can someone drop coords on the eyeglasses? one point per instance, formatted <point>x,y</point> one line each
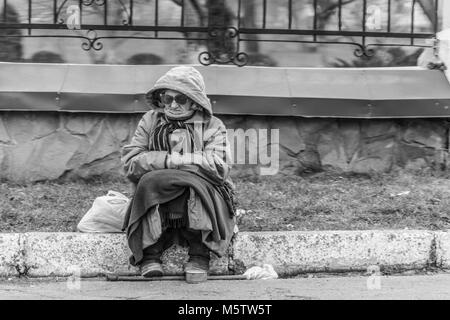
<point>179,98</point>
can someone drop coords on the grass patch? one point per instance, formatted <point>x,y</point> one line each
<point>346,202</point>
<point>324,201</point>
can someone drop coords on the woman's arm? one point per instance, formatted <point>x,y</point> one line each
<point>214,160</point>
<point>136,158</point>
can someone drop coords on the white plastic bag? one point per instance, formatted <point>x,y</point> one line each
<point>106,215</point>
<point>264,273</point>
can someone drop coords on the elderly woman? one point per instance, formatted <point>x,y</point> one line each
<point>177,161</point>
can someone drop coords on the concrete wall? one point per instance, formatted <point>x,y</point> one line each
<point>49,145</point>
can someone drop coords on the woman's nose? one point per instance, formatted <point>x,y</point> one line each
<point>174,104</point>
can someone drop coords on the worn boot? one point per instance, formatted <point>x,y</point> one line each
<point>151,265</point>
<point>197,267</point>
<point>151,269</point>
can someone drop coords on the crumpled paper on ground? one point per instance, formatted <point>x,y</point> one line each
<point>261,273</point>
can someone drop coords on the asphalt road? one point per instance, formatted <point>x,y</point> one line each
<point>435,286</point>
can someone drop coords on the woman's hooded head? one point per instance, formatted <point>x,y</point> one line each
<point>184,79</point>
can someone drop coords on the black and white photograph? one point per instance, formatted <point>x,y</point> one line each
<point>217,157</point>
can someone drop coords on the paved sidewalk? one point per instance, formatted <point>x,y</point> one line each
<point>350,287</point>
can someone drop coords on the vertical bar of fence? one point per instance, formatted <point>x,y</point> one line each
<point>182,13</point>
<point>80,4</point>
<point>290,14</point>
<point>238,36</point>
<point>436,16</point>
<point>364,22</point>
<point>436,27</point>
<point>29,16</point>
<point>364,15</point>
<point>315,20</point>
<point>105,14</point>
<point>55,13</point>
<point>131,13</point>
<point>264,13</point>
<point>5,8</point>
<point>239,14</point>
<point>340,15</point>
<point>412,20</point>
<point>156,16</point>
<point>389,15</point>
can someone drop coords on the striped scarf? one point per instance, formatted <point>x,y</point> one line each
<point>161,134</point>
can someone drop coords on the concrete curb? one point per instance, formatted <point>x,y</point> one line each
<point>322,251</point>
<point>11,258</point>
<point>443,249</point>
<point>40,254</point>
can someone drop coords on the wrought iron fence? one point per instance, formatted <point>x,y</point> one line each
<point>224,25</point>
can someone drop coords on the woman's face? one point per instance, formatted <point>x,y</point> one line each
<point>176,104</point>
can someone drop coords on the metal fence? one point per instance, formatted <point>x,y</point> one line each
<point>224,25</point>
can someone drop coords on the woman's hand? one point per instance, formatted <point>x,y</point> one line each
<point>175,160</point>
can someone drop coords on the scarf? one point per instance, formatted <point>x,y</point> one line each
<point>161,134</point>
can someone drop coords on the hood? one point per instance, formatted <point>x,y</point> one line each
<point>184,79</point>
